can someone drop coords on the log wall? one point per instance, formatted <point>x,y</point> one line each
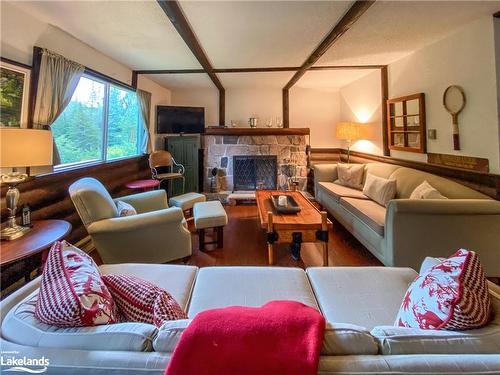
<point>48,194</point>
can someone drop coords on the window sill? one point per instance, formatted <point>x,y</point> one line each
<point>81,166</point>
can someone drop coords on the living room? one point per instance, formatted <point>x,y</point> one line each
<point>256,165</point>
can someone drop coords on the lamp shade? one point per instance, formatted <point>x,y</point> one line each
<point>351,131</point>
<point>20,147</point>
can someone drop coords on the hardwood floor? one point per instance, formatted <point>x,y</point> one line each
<point>245,244</point>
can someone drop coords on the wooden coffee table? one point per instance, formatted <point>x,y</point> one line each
<point>308,225</point>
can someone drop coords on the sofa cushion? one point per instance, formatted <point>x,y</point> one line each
<point>371,213</point>
<point>451,295</point>
<point>364,296</point>
<point>21,327</point>
<point>248,286</point>
<point>139,300</point>
<point>379,189</point>
<point>408,179</point>
<point>177,279</point>
<point>426,191</point>
<point>337,191</point>
<point>339,338</point>
<point>72,292</point>
<point>350,175</point>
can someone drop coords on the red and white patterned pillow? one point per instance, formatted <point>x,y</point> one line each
<point>141,301</point>
<point>72,293</point>
<point>452,295</point>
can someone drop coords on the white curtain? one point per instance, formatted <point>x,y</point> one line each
<point>57,82</point>
<point>144,99</point>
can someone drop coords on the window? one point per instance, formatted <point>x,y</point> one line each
<point>101,122</point>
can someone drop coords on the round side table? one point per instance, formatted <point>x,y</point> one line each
<point>21,256</point>
<point>144,185</point>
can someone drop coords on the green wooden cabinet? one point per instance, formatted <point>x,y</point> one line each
<point>184,149</point>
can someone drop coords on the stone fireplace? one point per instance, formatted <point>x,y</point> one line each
<point>225,151</point>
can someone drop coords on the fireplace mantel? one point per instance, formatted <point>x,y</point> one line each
<point>257,131</point>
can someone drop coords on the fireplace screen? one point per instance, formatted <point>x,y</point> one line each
<point>252,172</point>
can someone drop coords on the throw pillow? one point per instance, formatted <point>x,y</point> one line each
<point>72,293</point>
<point>141,301</point>
<point>125,209</point>
<point>379,189</point>
<point>426,191</point>
<point>452,295</point>
<point>350,175</point>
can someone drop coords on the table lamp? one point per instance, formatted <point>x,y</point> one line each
<point>20,147</point>
<point>350,131</point>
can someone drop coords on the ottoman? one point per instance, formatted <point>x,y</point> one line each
<point>186,201</point>
<point>209,215</point>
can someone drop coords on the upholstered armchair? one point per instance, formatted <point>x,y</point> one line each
<point>157,234</point>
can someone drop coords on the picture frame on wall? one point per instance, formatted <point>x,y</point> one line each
<point>15,81</point>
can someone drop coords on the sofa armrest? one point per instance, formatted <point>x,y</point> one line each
<point>147,201</point>
<point>415,229</point>
<point>324,173</point>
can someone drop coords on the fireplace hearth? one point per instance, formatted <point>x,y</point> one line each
<point>251,172</point>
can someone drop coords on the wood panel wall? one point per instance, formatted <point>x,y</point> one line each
<point>486,183</point>
<point>48,194</point>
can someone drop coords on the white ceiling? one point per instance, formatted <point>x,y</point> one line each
<point>256,34</point>
<point>390,30</point>
<point>237,34</point>
<point>261,80</point>
<point>136,33</point>
<point>330,79</point>
<point>182,81</point>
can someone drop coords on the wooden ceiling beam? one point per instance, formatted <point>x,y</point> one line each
<point>352,15</point>
<point>256,70</point>
<point>173,11</point>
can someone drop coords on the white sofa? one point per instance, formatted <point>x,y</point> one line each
<point>407,230</point>
<point>354,301</point>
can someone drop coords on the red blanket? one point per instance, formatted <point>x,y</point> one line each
<point>281,337</point>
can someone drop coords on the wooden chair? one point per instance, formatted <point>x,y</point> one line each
<point>164,159</point>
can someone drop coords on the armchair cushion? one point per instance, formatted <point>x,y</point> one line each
<point>92,200</point>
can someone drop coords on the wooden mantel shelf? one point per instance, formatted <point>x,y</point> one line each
<point>257,131</point>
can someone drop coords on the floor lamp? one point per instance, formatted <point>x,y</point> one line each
<point>350,132</point>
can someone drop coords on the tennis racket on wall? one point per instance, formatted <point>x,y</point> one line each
<point>454,102</point>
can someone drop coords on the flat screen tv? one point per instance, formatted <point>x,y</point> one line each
<point>175,120</point>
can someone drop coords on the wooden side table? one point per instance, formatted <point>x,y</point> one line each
<point>21,256</point>
<point>144,185</point>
